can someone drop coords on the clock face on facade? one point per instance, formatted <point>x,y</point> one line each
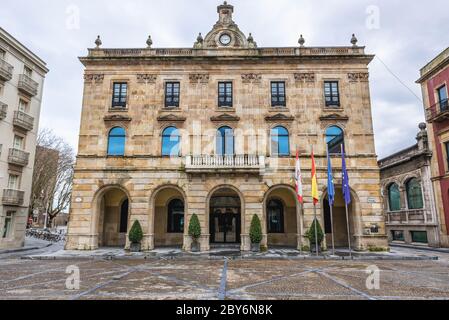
<point>225,39</point>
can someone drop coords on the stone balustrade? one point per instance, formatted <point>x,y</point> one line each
<point>419,216</point>
<point>226,162</point>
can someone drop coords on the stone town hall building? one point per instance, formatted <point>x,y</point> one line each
<point>212,130</point>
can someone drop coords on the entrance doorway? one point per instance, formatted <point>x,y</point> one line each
<point>225,218</point>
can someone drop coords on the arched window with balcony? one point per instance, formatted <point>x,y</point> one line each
<point>280,141</point>
<point>335,139</point>
<point>414,194</point>
<point>394,197</point>
<point>171,141</point>
<point>116,142</point>
<point>225,141</point>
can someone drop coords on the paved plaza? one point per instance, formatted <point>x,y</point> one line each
<point>223,278</point>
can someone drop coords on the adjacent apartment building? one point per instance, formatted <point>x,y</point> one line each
<point>409,201</point>
<point>434,81</point>
<point>213,130</point>
<point>22,76</point>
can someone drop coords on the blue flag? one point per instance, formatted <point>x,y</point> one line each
<point>346,189</point>
<point>330,182</point>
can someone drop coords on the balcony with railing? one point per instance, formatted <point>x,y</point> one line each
<point>438,112</point>
<point>18,157</point>
<point>419,216</point>
<point>23,120</point>
<point>28,85</point>
<point>13,197</point>
<point>5,70</point>
<point>216,163</point>
<point>3,110</point>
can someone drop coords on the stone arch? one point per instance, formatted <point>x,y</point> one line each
<point>109,193</point>
<point>294,237</point>
<point>159,201</point>
<point>242,207</point>
<point>339,218</point>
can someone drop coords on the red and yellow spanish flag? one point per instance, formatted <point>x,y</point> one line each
<point>315,195</point>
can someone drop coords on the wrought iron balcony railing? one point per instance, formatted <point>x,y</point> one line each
<point>13,197</point>
<point>438,112</point>
<point>5,70</point>
<point>18,157</point>
<point>3,110</point>
<point>28,85</point>
<point>23,120</point>
<point>228,162</point>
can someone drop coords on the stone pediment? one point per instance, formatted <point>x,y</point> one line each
<point>171,118</point>
<point>117,117</point>
<point>280,117</point>
<point>225,118</point>
<point>334,117</point>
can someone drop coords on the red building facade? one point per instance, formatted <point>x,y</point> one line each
<point>435,82</point>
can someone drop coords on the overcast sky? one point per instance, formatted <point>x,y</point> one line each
<point>405,35</point>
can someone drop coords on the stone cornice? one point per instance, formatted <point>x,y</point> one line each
<point>139,56</point>
<point>334,117</point>
<point>117,117</point>
<point>171,118</point>
<point>279,117</point>
<point>225,118</point>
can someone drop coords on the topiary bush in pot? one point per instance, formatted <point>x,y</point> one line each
<point>255,234</point>
<point>311,236</point>
<point>136,236</point>
<point>195,232</point>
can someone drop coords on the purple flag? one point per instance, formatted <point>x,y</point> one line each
<point>346,189</point>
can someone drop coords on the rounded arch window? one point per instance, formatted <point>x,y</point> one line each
<point>280,141</point>
<point>116,142</point>
<point>394,197</point>
<point>225,141</point>
<point>414,194</point>
<point>335,139</point>
<point>171,140</point>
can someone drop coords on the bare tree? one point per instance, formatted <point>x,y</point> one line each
<point>53,174</point>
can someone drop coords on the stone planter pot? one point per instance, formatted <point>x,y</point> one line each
<point>313,248</point>
<point>195,246</point>
<point>135,247</point>
<point>255,247</point>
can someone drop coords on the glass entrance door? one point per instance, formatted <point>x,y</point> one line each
<point>225,225</point>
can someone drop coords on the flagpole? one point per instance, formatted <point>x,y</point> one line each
<point>315,217</point>
<point>331,208</point>
<point>298,219</point>
<point>347,216</point>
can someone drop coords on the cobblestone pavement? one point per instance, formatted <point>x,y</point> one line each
<point>222,279</point>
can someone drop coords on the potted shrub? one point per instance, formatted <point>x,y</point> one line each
<point>311,236</point>
<point>135,236</point>
<point>255,234</point>
<point>195,232</point>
